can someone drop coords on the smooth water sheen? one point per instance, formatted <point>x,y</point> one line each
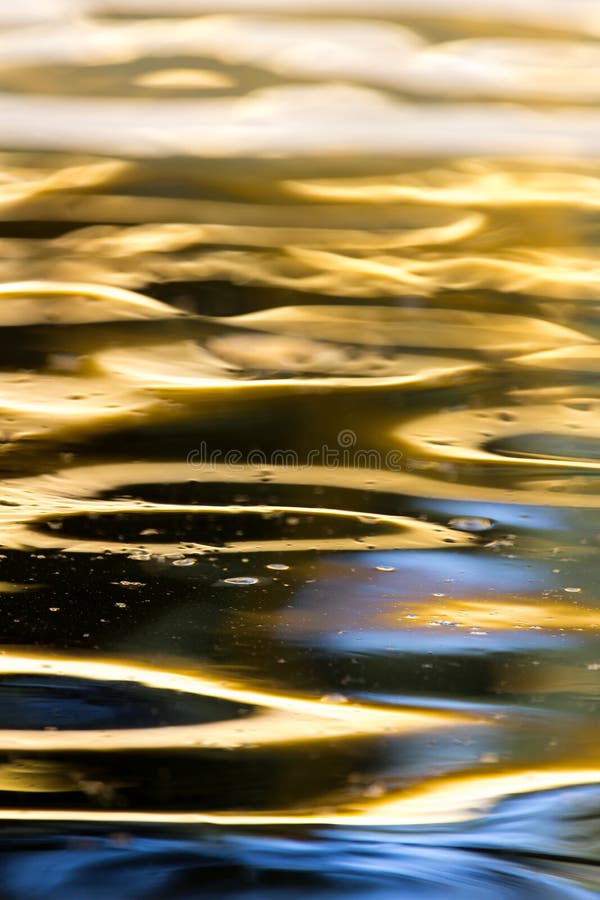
<point>299,449</point>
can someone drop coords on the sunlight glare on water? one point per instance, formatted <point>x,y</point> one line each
<point>299,429</point>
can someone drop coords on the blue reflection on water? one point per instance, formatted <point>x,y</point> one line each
<point>448,640</point>
<point>351,592</point>
<point>541,846</point>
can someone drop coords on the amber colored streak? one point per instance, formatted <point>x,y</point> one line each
<point>173,237</point>
<point>186,372</point>
<point>442,329</point>
<point>471,183</point>
<point>565,359</point>
<point>279,719</point>
<point>550,273</point>
<point>495,615</point>
<point>188,79</point>
<point>36,776</point>
<point>545,273</point>
<point>10,587</point>
<point>175,212</point>
<point>42,495</point>
<point>19,183</point>
<point>467,797</point>
<point>139,385</point>
<point>464,435</point>
<point>402,531</point>
<point>487,615</point>
<point>132,257</point>
<point>37,407</point>
<point>441,801</point>
<point>33,302</point>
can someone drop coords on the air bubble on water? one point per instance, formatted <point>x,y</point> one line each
<point>470,523</point>
<point>184,562</point>
<point>279,567</point>
<point>241,580</point>
<point>572,590</point>
<point>385,568</point>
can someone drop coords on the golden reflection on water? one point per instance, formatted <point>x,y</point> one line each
<point>299,358</point>
<point>277,719</point>
<point>453,801</point>
<point>475,615</point>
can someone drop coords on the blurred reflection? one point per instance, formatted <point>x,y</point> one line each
<point>299,449</point>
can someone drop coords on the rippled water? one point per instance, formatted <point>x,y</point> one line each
<point>299,428</point>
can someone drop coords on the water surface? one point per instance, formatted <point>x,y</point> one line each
<point>299,423</point>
